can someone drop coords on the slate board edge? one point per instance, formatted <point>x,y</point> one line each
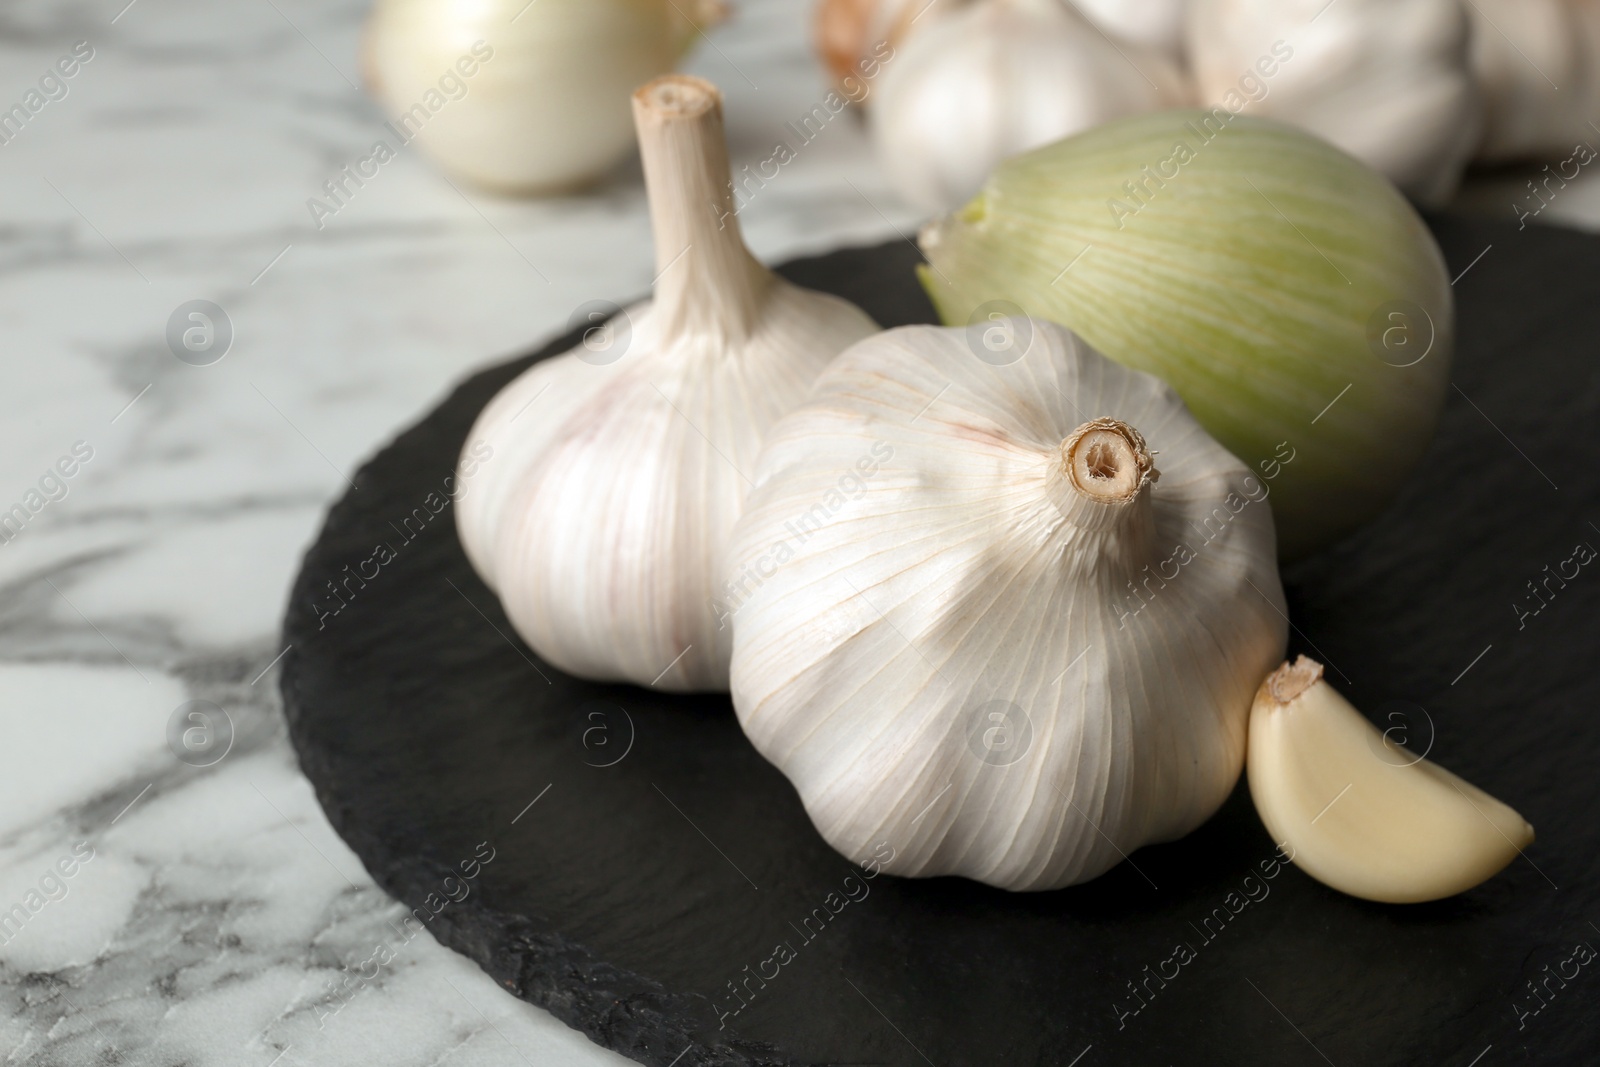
<point>617,1009</point>
<point>614,1007</point>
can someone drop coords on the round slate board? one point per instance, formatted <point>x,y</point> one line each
<point>626,860</point>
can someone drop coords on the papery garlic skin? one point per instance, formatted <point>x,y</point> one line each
<point>1000,77</point>
<point>1360,813</point>
<point>617,470</point>
<point>849,33</point>
<point>1538,63</point>
<point>545,108</point>
<point>1155,24</point>
<point>1386,80</point>
<point>918,582</point>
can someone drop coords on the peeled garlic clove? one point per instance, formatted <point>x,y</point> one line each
<point>599,487</point>
<point>1522,51</point>
<point>1385,80</point>
<point>1357,811</point>
<point>971,620</point>
<point>997,78</point>
<point>522,97</point>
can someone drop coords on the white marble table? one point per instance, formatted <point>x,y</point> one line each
<point>211,916</point>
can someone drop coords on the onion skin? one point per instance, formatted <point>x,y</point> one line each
<point>1251,281</point>
<point>549,112</point>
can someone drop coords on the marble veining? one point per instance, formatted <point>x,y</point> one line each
<point>210,915</point>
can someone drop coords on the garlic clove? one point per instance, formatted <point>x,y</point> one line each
<point>604,482</point>
<point>1357,811</point>
<point>523,98</point>
<point>1386,80</point>
<point>997,78</point>
<point>971,620</point>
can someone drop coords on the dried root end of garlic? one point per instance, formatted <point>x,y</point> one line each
<point>1358,812</point>
<point>973,623</point>
<point>1108,460</point>
<point>615,474</point>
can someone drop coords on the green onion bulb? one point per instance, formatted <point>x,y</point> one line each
<point>1289,294</point>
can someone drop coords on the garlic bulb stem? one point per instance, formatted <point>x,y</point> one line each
<point>686,171</point>
<point>1107,460</point>
<point>1104,471</point>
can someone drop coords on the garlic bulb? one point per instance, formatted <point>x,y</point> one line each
<point>1358,812</point>
<point>1293,298</point>
<point>518,96</point>
<point>615,472</point>
<point>1538,63</point>
<point>850,33</point>
<point>1385,80</point>
<point>1155,24</point>
<point>998,78</point>
<point>973,621</point>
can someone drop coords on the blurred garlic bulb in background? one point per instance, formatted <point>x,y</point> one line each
<point>972,621</point>
<point>1385,80</point>
<point>848,32</point>
<point>997,78</point>
<point>604,482</point>
<point>523,97</point>
<point>1538,64</point>
<point>1155,24</point>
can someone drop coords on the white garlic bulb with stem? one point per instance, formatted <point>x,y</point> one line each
<point>1256,299</point>
<point>523,97</point>
<point>997,78</point>
<point>614,472</point>
<point>1386,80</point>
<point>1538,64</point>
<point>972,621</point>
<point>1360,813</point>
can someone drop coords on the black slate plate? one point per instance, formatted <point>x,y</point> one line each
<point>631,898</point>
